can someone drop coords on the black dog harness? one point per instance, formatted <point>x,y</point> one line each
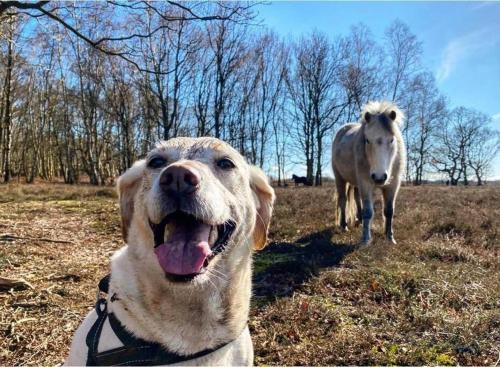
<point>135,351</point>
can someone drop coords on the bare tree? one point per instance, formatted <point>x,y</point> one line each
<point>403,52</point>
<point>170,54</point>
<point>454,142</point>
<point>281,134</point>
<point>428,112</point>
<point>317,96</point>
<point>202,91</point>
<point>123,111</point>
<point>89,69</point>
<point>361,76</point>
<point>6,103</point>
<point>272,71</point>
<point>483,150</point>
<point>225,40</point>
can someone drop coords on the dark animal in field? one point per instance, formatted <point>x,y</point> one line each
<point>301,180</point>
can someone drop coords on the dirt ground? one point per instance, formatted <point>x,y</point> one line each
<point>434,298</point>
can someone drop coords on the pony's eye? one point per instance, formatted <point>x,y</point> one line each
<point>225,164</point>
<point>367,141</point>
<point>392,141</point>
<point>157,162</point>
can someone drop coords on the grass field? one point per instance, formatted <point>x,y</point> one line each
<point>432,299</point>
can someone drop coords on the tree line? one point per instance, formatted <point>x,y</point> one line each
<point>88,88</point>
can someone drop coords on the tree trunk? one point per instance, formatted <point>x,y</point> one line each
<point>319,142</point>
<point>7,113</point>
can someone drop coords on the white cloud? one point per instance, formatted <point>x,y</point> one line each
<point>483,4</point>
<point>464,47</point>
<point>496,117</point>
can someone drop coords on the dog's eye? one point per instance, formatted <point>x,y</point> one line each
<point>367,141</point>
<point>157,162</point>
<point>225,164</point>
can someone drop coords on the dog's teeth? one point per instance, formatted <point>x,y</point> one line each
<point>213,235</point>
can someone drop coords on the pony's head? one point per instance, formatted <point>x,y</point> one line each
<point>381,122</point>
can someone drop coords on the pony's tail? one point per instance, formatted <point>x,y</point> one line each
<point>350,208</point>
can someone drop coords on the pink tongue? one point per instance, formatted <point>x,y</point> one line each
<point>185,250</point>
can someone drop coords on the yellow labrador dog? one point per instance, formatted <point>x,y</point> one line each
<point>179,292</point>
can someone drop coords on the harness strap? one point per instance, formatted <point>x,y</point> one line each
<point>92,339</point>
<point>104,283</point>
<point>135,351</point>
<point>125,337</point>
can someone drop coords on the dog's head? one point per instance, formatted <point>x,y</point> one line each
<point>192,205</point>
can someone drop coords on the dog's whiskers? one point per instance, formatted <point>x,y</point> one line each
<point>213,284</point>
<point>215,278</point>
<point>220,274</point>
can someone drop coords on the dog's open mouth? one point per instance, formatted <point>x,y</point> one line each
<point>190,244</point>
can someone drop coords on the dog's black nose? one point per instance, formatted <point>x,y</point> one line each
<point>178,179</point>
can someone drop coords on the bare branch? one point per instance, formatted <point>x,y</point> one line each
<point>99,44</point>
<point>5,5</point>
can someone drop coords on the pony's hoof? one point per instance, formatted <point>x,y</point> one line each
<point>344,229</point>
<point>364,243</point>
<point>391,241</point>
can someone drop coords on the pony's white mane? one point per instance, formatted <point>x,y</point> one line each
<point>378,107</point>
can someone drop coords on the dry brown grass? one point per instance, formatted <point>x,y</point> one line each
<point>432,299</point>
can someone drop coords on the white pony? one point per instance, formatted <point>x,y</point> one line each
<point>367,155</point>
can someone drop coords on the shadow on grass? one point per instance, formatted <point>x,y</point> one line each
<point>283,267</point>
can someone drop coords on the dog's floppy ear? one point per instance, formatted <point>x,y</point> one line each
<point>264,196</point>
<point>127,186</point>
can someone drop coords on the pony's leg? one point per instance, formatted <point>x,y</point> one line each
<point>389,195</point>
<point>359,208</point>
<point>367,215</point>
<point>342,201</point>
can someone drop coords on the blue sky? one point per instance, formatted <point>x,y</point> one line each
<point>461,40</point>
